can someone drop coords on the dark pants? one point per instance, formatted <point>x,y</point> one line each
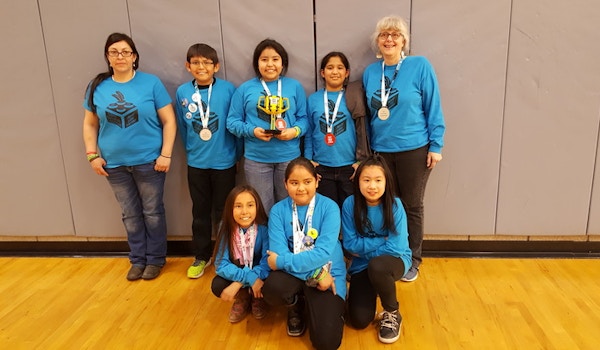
<point>325,310</point>
<point>218,285</point>
<point>410,179</point>
<point>335,182</point>
<point>209,189</point>
<point>379,278</point>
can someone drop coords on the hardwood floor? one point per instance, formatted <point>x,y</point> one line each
<point>457,303</point>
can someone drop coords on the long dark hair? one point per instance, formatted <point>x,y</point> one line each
<point>113,38</point>
<point>228,224</point>
<point>270,43</point>
<point>361,219</point>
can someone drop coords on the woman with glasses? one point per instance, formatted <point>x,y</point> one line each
<point>128,129</point>
<point>406,123</point>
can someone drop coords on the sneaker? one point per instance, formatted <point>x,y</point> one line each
<point>295,320</point>
<point>196,270</point>
<point>135,272</point>
<point>389,327</point>
<point>411,275</point>
<point>240,306</point>
<point>259,308</point>
<point>151,272</point>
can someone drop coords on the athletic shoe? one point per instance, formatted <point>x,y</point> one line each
<point>196,270</point>
<point>240,306</point>
<point>411,275</point>
<point>389,327</point>
<point>295,321</point>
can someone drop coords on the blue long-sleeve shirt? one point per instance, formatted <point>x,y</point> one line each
<point>245,275</point>
<point>223,149</point>
<point>416,117</point>
<point>343,151</point>
<point>244,116</point>
<point>327,247</point>
<point>377,241</point>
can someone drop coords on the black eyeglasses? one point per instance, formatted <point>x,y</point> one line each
<point>115,53</point>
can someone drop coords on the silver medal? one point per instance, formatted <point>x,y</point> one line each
<point>205,134</point>
<point>383,113</point>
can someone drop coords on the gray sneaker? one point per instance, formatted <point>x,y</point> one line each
<point>411,275</point>
<point>389,327</point>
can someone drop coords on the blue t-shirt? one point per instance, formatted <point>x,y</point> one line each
<point>343,150</point>
<point>327,246</point>
<point>377,240</point>
<point>223,149</point>
<point>416,117</point>
<point>244,115</point>
<point>130,129</point>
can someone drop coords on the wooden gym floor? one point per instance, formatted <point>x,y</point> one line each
<point>457,303</point>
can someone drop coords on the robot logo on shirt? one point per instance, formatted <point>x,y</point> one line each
<point>122,113</point>
<point>213,121</point>
<point>339,125</point>
<point>392,98</point>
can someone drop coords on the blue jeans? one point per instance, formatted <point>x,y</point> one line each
<point>139,191</point>
<point>268,179</point>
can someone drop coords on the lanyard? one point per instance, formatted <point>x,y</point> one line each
<point>269,91</point>
<point>247,242</point>
<point>335,109</point>
<point>298,230</point>
<point>385,93</point>
<point>204,115</point>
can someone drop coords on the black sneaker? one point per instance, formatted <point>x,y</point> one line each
<point>295,320</point>
<point>389,327</point>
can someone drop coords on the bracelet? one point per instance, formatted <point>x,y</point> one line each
<point>91,152</point>
<point>298,131</point>
<point>321,275</point>
<point>162,155</point>
<point>91,157</point>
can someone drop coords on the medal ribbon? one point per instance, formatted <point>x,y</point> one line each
<point>335,109</point>
<point>299,231</point>
<point>246,243</point>
<point>203,115</point>
<point>385,93</point>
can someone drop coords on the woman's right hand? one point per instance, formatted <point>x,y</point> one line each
<point>98,165</point>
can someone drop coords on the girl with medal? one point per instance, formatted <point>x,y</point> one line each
<point>407,124</point>
<point>374,232</point>
<point>241,254</point>
<point>211,150</point>
<point>306,257</point>
<point>269,113</point>
<point>331,139</point>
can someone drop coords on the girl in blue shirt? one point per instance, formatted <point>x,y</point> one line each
<point>306,257</point>
<point>269,113</point>
<point>374,232</point>
<point>241,254</point>
<point>331,140</point>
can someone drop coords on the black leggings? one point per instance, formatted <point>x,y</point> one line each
<point>325,310</point>
<point>379,278</point>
